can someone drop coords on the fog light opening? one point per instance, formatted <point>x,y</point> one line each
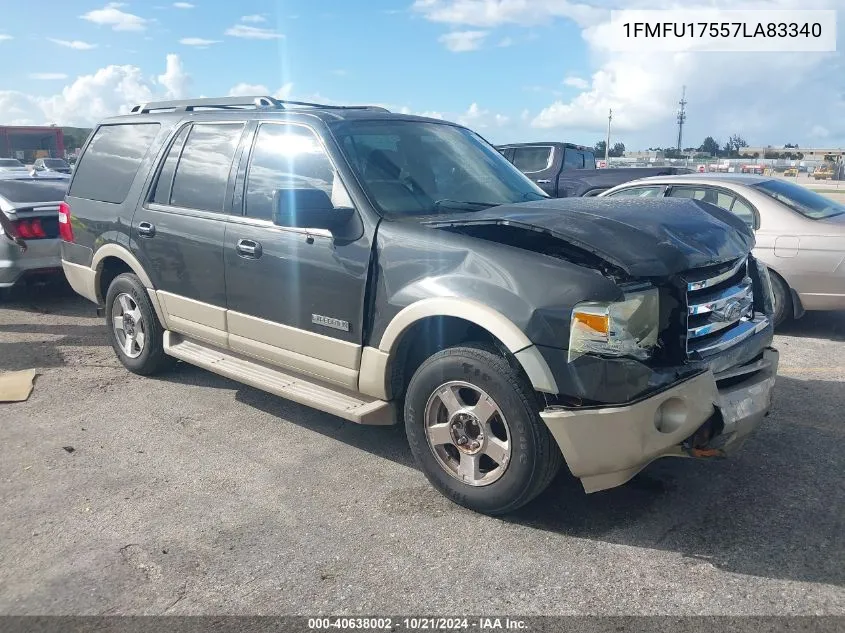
<point>671,415</point>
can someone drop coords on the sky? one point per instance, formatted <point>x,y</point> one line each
<point>514,70</point>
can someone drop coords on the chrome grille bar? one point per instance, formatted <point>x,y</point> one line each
<point>701,284</point>
<point>722,298</point>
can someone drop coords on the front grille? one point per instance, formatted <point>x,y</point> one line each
<point>720,308</point>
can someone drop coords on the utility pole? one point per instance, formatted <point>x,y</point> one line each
<point>607,142</point>
<point>682,117</point>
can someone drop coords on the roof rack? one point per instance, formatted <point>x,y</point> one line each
<point>238,103</point>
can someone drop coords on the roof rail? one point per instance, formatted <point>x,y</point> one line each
<point>221,103</point>
<point>238,103</point>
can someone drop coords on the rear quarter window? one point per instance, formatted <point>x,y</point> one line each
<point>108,167</point>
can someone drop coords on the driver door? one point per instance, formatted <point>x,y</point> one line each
<point>295,296</point>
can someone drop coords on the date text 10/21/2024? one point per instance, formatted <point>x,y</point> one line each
<point>418,624</point>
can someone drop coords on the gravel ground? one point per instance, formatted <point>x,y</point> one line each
<point>192,494</point>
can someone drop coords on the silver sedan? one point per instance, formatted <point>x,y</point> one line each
<point>800,234</point>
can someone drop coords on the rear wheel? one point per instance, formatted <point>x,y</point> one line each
<point>782,300</point>
<point>135,332</point>
<point>473,425</point>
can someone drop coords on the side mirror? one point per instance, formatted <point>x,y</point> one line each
<point>307,209</point>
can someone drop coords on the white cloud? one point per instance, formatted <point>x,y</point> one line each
<point>199,42</point>
<point>576,82</point>
<point>4,37</point>
<point>505,42</point>
<point>462,41</point>
<point>111,15</point>
<point>253,32</point>
<point>248,90</point>
<point>340,72</point>
<point>90,98</point>
<point>183,5</point>
<point>47,76</point>
<point>492,13</point>
<point>727,92</point>
<point>478,118</point>
<point>253,19</point>
<point>77,45</point>
<point>175,80</point>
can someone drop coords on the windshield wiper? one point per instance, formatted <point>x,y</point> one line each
<point>462,205</point>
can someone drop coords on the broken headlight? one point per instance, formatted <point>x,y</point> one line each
<point>620,328</point>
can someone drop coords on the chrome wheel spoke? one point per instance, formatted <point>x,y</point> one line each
<point>129,345</point>
<point>449,398</point>
<point>125,304</point>
<point>118,323</point>
<point>139,339</point>
<point>468,468</point>
<point>497,450</point>
<point>484,409</point>
<point>440,434</point>
<point>136,315</point>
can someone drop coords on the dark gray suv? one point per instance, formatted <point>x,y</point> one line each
<point>389,268</point>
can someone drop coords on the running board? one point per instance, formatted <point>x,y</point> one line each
<point>304,390</point>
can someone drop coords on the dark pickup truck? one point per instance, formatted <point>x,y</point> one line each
<point>564,170</point>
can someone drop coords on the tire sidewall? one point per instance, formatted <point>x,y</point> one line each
<point>129,284</point>
<point>518,476</point>
<point>782,300</point>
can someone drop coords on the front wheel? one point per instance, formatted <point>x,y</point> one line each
<point>473,425</point>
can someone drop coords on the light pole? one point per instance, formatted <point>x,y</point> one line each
<point>607,141</point>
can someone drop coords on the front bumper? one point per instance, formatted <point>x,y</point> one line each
<point>41,255</point>
<point>607,446</point>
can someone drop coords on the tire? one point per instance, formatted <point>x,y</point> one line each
<point>145,356</point>
<point>783,300</point>
<point>533,456</point>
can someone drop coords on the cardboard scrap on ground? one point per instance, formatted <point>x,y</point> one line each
<point>15,386</point>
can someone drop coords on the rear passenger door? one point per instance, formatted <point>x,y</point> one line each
<point>178,232</point>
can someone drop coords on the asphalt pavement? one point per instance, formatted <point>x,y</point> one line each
<point>192,494</point>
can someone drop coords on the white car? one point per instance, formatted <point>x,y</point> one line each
<point>800,234</point>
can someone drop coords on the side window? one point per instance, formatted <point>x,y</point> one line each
<point>705,194</point>
<point>573,159</point>
<point>288,157</point>
<point>532,159</point>
<point>161,195</point>
<point>637,192</point>
<point>107,169</point>
<point>203,170</point>
<point>744,212</point>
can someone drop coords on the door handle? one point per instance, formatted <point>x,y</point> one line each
<point>544,181</point>
<point>249,249</point>
<point>145,229</point>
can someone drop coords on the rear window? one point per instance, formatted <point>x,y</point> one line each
<point>108,167</point>
<point>800,199</point>
<point>531,159</point>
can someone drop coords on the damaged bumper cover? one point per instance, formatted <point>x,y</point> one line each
<point>706,415</point>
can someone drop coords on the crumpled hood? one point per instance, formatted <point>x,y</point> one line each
<point>644,237</point>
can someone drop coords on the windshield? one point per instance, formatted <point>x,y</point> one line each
<point>806,202</point>
<point>55,162</point>
<point>419,168</point>
<point>10,162</point>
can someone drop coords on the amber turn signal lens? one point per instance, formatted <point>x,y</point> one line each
<point>598,322</point>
